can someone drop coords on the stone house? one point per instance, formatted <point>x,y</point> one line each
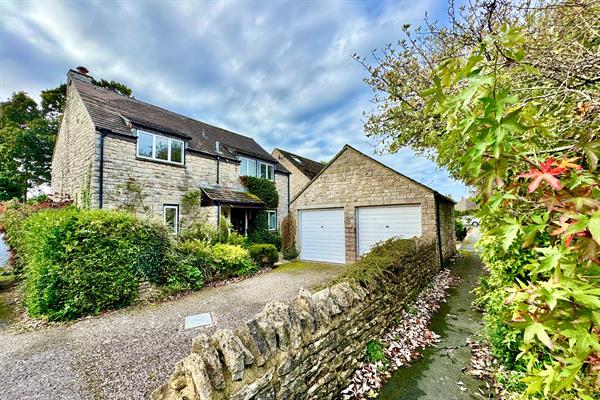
<point>302,169</point>
<point>113,151</point>
<point>355,202</point>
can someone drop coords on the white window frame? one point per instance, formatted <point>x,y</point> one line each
<point>270,167</point>
<point>245,173</point>
<point>269,212</point>
<point>176,208</point>
<point>170,141</point>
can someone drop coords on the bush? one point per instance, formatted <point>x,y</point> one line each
<point>200,230</point>
<point>290,253</point>
<point>460,229</point>
<point>81,262</point>
<point>259,233</point>
<point>288,237</point>
<point>263,254</point>
<point>230,260</point>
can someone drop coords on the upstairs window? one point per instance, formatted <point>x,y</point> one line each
<point>247,167</point>
<point>150,145</point>
<point>252,167</point>
<point>267,171</point>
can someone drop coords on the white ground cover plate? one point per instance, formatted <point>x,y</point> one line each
<point>198,320</point>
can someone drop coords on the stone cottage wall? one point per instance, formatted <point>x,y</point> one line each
<point>305,349</point>
<point>354,180</point>
<point>297,179</point>
<point>281,184</point>
<point>73,171</point>
<point>447,229</point>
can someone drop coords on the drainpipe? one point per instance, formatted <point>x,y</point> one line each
<point>288,193</point>
<point>103,132</point>
<point>439,230</point>
<point>218,158</point>
<point>218,213</point>
<point>218,150</point>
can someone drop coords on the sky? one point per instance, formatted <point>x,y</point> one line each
<point>279,72</point>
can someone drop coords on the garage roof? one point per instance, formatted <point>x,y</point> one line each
<point>348,147</point>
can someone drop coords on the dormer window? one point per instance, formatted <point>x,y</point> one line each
<point>252,167</point>
<point>157,147</point>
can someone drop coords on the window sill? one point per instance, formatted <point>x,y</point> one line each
<point>163,162</point>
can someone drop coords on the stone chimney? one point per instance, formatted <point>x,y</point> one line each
<point>80,73</point>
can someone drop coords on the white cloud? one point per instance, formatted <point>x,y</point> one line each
<point>280,72</point>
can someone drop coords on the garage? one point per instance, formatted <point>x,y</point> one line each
<point>322,235</point>
<point>376,224</point>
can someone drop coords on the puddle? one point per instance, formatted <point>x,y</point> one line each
<point>439,374</point>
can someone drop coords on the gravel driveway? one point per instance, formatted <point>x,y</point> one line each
<point>128,353</point>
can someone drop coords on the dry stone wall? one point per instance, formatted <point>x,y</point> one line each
<point>304,349</point>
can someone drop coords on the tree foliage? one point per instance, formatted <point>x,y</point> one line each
<point>516,86</point>
<point>27,135</point>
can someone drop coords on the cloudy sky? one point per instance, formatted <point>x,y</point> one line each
<point>280,72</point>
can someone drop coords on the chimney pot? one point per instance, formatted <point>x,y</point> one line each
<point>218,147</point>
<point>82,70</point>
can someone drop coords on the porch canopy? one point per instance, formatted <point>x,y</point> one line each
<point>235,198</point>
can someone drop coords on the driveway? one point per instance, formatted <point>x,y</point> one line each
<point>128,353</point>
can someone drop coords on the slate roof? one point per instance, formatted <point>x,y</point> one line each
<point>308,167</point>
<point>231,196</point>
<point>112,111</point>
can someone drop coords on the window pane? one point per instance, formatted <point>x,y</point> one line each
<point>171,218</point>
<point>263,171</point>
<point>243,167</point>
<point>270,172</point>
<point>272,220</point>
<point>176,151</point>
<point>251,168</point>
<point>144,145</point>
<point>162,148</point>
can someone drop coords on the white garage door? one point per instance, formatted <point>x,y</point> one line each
<point>322,235</point>
<point>376,224</point>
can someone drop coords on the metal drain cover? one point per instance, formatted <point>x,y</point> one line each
<point>198,320</point>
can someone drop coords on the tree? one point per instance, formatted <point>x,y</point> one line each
<point>516,88</point>
<point>27,136</point>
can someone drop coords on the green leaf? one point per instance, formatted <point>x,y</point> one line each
<point>536,329</point>
<point>594,226</point>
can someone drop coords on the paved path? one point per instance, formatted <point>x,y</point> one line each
<point>436,375</point>
<point>128,353</point>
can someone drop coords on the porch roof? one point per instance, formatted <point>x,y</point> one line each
<point>226,195</point>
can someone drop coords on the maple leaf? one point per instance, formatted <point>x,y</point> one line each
<point>569,163</point>
<point>545,173</point>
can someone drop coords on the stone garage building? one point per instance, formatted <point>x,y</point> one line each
<point>356,201</point>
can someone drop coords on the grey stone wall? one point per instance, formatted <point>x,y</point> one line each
<point>305,349</point>
<point>354,180</point>
<point>73,171</point>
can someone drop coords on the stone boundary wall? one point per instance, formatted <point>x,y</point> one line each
<point>305,349</point>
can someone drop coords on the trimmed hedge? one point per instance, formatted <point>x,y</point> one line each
<point>263,254</point>
<point>81,262</point>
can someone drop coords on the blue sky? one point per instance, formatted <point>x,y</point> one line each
<point>280,72</point>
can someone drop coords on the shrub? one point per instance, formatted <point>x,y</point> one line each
<point>200,230</point>
<point>230,260</point>
<point>376,353</point>
<point>259,233</point>
<point>236,239</point>
<point>84,262</point>
<point>288,237</point>
<point>263,254</point>
<point>290,253</point>
<point>460,229</point>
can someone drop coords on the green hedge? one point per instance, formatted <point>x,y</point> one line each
<point>81,262</point>
<point>460,230</point>
<point>263,254</point>
<point>264,189</point>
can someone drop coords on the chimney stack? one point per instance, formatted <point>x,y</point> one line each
<point>83,70</point>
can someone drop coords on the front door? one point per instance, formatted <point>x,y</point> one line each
<point>238,220</point>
